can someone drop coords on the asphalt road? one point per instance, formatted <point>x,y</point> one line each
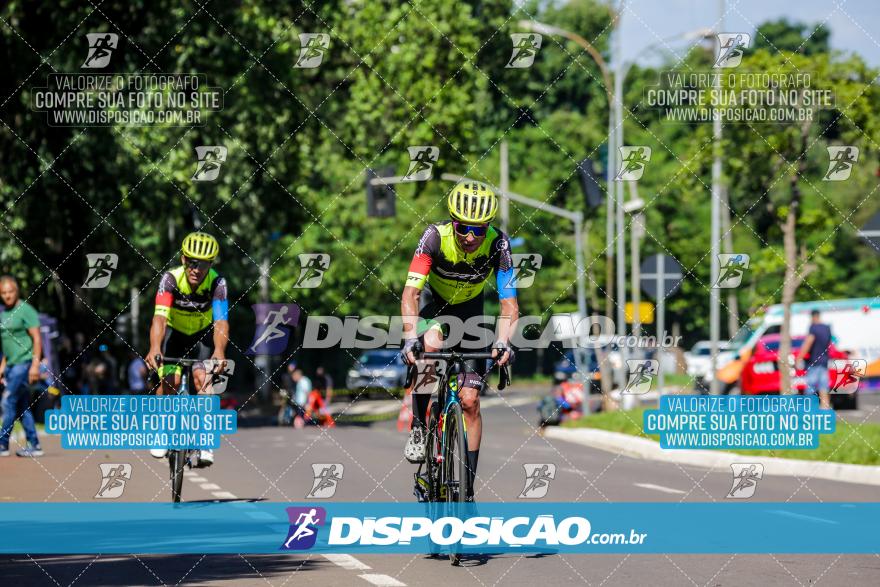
<point>269,463</point>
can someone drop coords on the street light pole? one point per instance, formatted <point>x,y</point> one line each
<point>618,190</point>
<point>611,170</point>
<point>504,181</point>
<point>714,292</point>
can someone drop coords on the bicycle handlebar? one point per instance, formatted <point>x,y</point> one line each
<point>504,372</point>
<point>182,362</point>
<point>454,355</point>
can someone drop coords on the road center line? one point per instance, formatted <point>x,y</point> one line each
<point>346,561</point>
<point>659,488</point>
<point>382,580</point>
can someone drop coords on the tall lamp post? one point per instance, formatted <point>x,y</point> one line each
<point>546,29</point>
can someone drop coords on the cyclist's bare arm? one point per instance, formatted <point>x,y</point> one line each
<point>507,322</point>
<point>221,339</point>
<point>409,312</point>
<point>157,335</point>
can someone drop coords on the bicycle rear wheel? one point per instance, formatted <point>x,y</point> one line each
<point>455,464</point>
<point>176,460</point>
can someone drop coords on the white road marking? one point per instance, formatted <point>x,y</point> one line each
<point>224,495</point>
<point>209,486</point>
<point>347,562</point>
<point>197,479</point>
<point>659,488</point>
<point>802,517</point>
<point>573,470</point>
<point>382,580</point>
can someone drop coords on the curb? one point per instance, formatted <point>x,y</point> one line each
<point>644,448</point>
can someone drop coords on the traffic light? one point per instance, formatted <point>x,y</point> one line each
<point>593,195</point>
<point>381,197</point>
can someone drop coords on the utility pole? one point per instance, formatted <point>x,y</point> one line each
<point>134,316</point>
<point>714,292</point>
<point>618,185</point>
<point>262,361</point>
<point>727,242</point>
<point>505,181</point>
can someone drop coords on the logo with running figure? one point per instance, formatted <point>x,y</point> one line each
<point>304,524</point>
<point>101,267</point>
<point>327,478</point>
<point>421,162</point>
<point>840,162</point>
<point>113,478</point>
<point>745,479</point>
<point>101,47</point>
<point>311,53</point>
<point>525,267</point>
<point>312,267</point>
<point>538,478</point>
<point>525,48</point>
<point>274,324</point>
<point>429,374</point>
<point>218,373</point>
<point>641,375</point>
<point>732,267</point>
<point>730,49</point>
<point>847,375</point>
<point>210,159</point>
<point>632,162</point>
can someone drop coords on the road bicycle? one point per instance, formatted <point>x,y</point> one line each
<point>178,459</point>
<point>446,476</point>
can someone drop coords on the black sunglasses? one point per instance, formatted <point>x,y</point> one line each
<point>465,229</point>
<point>196,263</point>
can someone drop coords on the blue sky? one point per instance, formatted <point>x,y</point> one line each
<point>853,23</point>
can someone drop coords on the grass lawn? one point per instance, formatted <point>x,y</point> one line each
<point>857,444</point>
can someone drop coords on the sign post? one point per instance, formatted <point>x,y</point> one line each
<point>661,277</point>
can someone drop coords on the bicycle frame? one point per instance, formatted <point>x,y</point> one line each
<point>178,459</point>
<point>447,396</point>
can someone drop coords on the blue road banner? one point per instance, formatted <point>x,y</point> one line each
<point>346,527</point>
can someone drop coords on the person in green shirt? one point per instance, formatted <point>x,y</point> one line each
<point>20,366</point>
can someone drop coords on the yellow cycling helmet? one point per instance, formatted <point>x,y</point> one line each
<point>472,202</point>
<point>201,246</point>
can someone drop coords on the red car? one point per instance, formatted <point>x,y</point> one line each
<point>761,372</point>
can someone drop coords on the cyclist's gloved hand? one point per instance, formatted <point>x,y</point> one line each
<point>412,347</point>
<point>502,353</point>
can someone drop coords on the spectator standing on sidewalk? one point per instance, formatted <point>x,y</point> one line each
<point>816,346</point>
<point>324,384</point>
<point>20,366</point>
<point>137,374</point>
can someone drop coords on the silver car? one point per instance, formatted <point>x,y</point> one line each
<point>377,369</point>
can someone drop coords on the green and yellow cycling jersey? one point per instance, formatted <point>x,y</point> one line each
<point>188,311</point>
<point>457,276</point>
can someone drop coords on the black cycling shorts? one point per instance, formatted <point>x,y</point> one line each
<point>186,346</point>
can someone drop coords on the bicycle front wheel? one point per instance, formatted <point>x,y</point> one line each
<point>176,461</point>
<point>455,464</point>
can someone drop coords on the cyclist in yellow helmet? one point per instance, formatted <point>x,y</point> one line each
<point>450,268</point>
<point>191,319</point>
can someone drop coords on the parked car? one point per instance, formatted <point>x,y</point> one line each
<point>377,370</point>
<point>760,375</point>
<point>699,361</point>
